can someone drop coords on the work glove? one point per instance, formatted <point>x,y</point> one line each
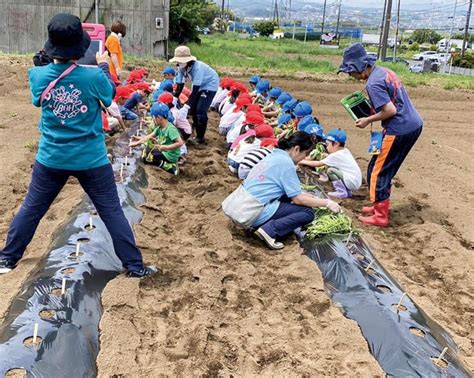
<point>333,206</point>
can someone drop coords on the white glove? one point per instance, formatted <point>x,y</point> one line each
<point>333,206</point>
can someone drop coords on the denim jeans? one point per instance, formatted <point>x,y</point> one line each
<point>287,218</point>
<point>99,184</point>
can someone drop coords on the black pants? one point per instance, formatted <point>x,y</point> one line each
<point>383,167</point>
<point>199,111</point>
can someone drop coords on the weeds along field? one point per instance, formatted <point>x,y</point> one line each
<point>287,58</point>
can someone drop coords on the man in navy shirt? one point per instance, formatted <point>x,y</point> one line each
<point>401,123</point>
<point>205,85</point>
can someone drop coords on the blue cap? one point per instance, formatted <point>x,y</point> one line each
<point>284,119</point>
<point>263,86</point>
<point>290,105</point>
<point>160,110</point>
<point>284,97</point>
<point>275,92</point>
<point>303,109</point>
<point>254,79</point>
<point>356,59</point>
<point>166,85</point>
<point>336,135</point>
<point>305,121</point>
<point>314,129</point>
<point>169,70</point>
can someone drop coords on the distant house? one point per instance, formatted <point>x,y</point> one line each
<point>457,42</point>
<point>278,34</point>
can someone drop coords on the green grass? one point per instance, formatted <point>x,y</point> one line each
<point>287,57</point>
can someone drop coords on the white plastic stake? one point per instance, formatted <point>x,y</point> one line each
<point>90,223</point>
<point>138,133</point>
<point>78,247</point>
<point>63,286</point>
<point>121,173</point>
<point>130,141</point>
<point>438,360</point>
<point>131,151</point>
<point>35,333</point>
<point>126,160</point>
<point>348,238</point>
<point>401,300</point>
<point>369,266</point>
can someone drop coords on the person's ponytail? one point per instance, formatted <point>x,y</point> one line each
<point>299,138</point>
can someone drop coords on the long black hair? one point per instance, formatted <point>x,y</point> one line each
<point>300,138</point>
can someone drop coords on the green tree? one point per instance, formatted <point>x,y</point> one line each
<point>426,36</point>
<point>188,15</point>
<point>414,46</point>
<point>265,28</point>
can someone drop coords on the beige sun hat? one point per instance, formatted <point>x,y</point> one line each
<point>182,54</point>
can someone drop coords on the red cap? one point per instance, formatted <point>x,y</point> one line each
<point>254,118</point>
<point>241,102</point>
<point>239,86</point>
<point>254,108</point>
<point>226,82</point>
<point>166,98</point>
<point>123,91</point>
<point>245,95</point>
<point>143,86</point>
<point>264,131</point>
<point>267,142</point>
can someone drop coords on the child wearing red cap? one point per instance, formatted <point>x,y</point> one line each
<point>180,115</point>
<point>221,94</point>
<point>228,119</point>
<point>137,101</point>
<point>234,93</point>
<point>252,119</point>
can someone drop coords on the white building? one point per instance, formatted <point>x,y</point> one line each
<point>442,43</point>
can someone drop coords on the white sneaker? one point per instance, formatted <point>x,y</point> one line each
<point>269,241</point>
<point>6,266</point>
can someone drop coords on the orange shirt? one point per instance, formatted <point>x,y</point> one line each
<point>114,47</point>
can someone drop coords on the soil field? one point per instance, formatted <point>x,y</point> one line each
<point>221,303</point>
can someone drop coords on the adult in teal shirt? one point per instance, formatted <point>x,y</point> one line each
<point>72,143</point>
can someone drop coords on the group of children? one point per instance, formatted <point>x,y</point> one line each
<point>253,120</point>
<point>167,121</point>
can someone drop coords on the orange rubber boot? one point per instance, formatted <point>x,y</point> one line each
<point>380,217</point>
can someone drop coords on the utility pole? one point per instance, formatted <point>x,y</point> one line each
<point>396,33</point>
<point>381,28</point>
<point>96,6</point>
<point>338,20</point>
<point>466,31</point>
<point>324,17</point>
<point>386,29</point>
<point>222,17</point>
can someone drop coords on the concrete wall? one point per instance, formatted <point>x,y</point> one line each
<point>23,23</point>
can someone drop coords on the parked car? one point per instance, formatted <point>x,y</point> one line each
<point>396,60</point>
<point>424,55</point>
<point>443,57</point>
<point>416,68</point>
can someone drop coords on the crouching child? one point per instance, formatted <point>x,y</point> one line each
<point>164,143</point>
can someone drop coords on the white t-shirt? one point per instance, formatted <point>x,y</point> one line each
<point>219,97</point>
<point>242,149</point>
<point>114,109</point>
<point>228,119</point>
<point>226,106</point>
<point>234,131</point>
<point>345,162</point>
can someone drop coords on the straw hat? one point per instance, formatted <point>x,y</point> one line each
<point>182,54</point>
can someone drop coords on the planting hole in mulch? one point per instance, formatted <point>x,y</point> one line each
<point>384,289</point>
<point>442,363</point>
<point>56,292</point>
<point>47,314</point>
<point>359,256</point>
<point>28,342</point>
<point>417,332</point>
<point>83,240</point>
<point>16,373</point>
<point>88,227</point>
<point>401,308</point>
<point>93,212</point>
<point>67,271</point>
<point>73,256</point>
<point>372,272</point>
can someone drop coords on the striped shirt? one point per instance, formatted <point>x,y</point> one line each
<point>250,160</point>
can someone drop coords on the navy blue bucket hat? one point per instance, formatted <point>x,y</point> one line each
<point>66,38</point>
<point>356,59</point>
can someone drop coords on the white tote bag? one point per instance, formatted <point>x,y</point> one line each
<point>242,208</point>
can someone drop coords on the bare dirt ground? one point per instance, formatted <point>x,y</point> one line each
<point>222,305</point>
